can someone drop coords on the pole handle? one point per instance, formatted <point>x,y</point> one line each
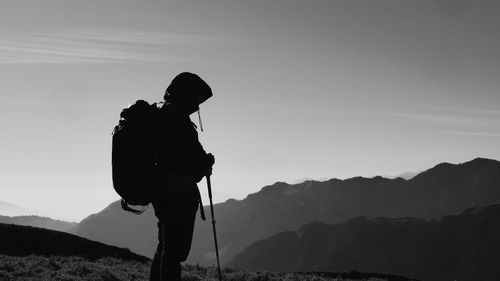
<point>209,185</point>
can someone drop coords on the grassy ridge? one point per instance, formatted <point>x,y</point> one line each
<point>19,240</point>
<point>59,268</point>
<point>70,269</point>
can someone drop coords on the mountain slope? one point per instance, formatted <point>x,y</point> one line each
<point>117,227</point>
<point>8,209</point>
<point>459,247</point>
<point>442,190</point>
<point>43,222</point>
<point>26,240</point>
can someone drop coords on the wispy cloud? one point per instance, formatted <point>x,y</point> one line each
<point>136,36</point>
<point>439,119</point>
<point>476,134</point>
<point>97,46</point>
<point>465,122</point>
<point>468,110</point>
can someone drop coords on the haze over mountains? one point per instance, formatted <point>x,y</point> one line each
<point>114,226</point>
<point>458,247</point>
<point>405,175</point>
<point>11,210</point>
<point>442,190</point>
<point>43,222</point>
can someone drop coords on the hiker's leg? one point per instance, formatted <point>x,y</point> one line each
<point>179,233</point>
<point>185,224</point>
<point>154,274</point>
<point>172,270</point>
<point>176,214</point>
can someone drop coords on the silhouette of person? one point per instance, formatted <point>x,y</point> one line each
<point>182,162</point>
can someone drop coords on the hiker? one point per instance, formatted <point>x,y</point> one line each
<point>182,163</point>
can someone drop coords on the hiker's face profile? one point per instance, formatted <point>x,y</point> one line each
<point>188,105</point>
<point>190,108</point>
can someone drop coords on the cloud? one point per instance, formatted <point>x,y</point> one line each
<point>136,36</point>
<point>476,111</point>
<point>477,134</point>
<point>98,46</point>
<point>483,123</point>
<point>482,119</point>
<point>436,118</point>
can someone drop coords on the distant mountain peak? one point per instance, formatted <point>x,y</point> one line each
<point>7,204</point>
<point>11,210</point>
<point>445,169</point>
<point>481,159</point>
<point>475,161</point>
<point>38,221</point>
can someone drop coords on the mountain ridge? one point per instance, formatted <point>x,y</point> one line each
<point>19,240</point>
<point>11,210</point>
<point>37,221</point>
<point>465,246</point>
<point>441,190</point>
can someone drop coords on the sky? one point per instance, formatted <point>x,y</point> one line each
<point>314,89</point>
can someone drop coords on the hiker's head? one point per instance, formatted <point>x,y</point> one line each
<point>187,90</point>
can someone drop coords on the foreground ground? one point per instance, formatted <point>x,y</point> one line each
<point>113,269</point>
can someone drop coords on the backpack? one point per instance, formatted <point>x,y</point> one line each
<point>133,156</point>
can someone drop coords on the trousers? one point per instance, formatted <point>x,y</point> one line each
<point>176,212</point>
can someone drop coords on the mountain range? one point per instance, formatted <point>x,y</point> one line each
<point>442,190</point>
<point>43,222</point>
<point>459,247</point>
<point>11,210</point>
<point>114,226</point>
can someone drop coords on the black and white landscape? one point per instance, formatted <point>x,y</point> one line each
<point>442,224</point>
<point>444,190</point>
<point>352,139</point>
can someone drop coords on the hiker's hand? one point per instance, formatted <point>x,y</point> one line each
<point>211,160</point>
<point>210,163</point>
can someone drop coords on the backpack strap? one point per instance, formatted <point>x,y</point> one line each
<point>202,211</point>
<point>126,207</point>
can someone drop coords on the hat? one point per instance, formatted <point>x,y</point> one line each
<point>188,88</point>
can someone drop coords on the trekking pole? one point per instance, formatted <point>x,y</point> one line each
<point>209,185</point>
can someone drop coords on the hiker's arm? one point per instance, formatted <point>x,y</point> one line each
<point>202,162</point>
